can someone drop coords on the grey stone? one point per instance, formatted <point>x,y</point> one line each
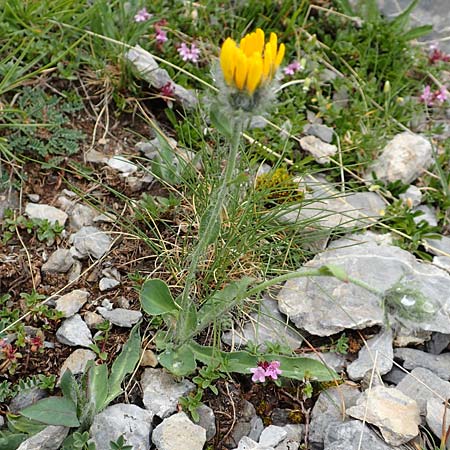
<point>75,271</point>
<point>443,262</point>
<point>404,158</point>
<point>410,336</point>
<point>134,423</point>
<point>348,435</point>
<point>394,376</point>
<point>60,261</point>
<point>246,443</point>
<point>329,408</point>
<point>438,418</point>
<point>81,216</point>
<point>207,421</point>
<point>149,70</point>
<point>326,207</point>
<point>107,284</point>
<point>257,122</point>
<point>94,156</point>
<point>8,200</point>
<point>25,398</point>
<point>74,332</point>
<point>121,317</point>
<point>324,305</point>
<point>161,392</point>
<point>50,438</point>
<point>438,343</point>
<point>105,218</point>
<point>69,304</point>
<point>152,148</point>
<point>268,325</point>
<point>412,196</point>
<point>77,362</point>
<point>321,151</point>
<point>394,413</point>
<point>42,211</point>
<point>378,349</point>
<point>323,132</point>
<point>439,246</point>
<point>122,164</point>
<point>90,241</point>
<point>428,215</point>
<point>422,384</point>
<point>272,436</point>
<point>178,432</point>
<point>332,360</point>
<point>412,358</point>
<point>92,319</point>
<point>293,437</point>
<point>247,424</point>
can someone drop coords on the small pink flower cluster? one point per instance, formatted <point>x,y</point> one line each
<point>293,67</point>
<point>437,55</point>
<point>189,54</point>
<point>429,97</point>
<point>142,15</point>
<point>266,369</point>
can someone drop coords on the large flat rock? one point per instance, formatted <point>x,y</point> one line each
<point>324,305</point>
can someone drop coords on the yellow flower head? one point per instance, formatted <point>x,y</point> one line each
<point>253,63</point>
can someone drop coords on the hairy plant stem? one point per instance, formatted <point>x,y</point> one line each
<point>211,221</point>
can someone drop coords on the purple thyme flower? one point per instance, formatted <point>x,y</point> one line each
<point>292,68</point>
<point>273,370</point>
<point>189,54</point>
<point>259,374</point>
<point>266,369</point>
<point>441,95</point>
<point>142,15</point>
<point>427,96</point>
<point>161,36</point>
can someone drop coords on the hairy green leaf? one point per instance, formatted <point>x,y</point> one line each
<point>53,411</point>
<point>156,298</point>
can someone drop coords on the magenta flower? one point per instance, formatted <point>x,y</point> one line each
<point>189,54</point>
<point>292,68</point>
<point>161,36</point>
<point>142,15</point>
<point>259,374</point>
<point>441,95</point>
<point>273,370</point>
<point>427,96</point>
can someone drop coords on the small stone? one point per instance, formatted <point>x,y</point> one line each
<point>25,398</point>
<point>247,424</point>
<point>428,215</point>
<point>320,131</point>
<point>272,436</point>
<point>74,332</point>
<point>439,246</point>
<point>94,156</point>
<point>34,197</point>
<point>247,443</point>
<point>42,211</point>
<point>438,343</point>
<point>121,317</point>
<point>396,414</point>
<point>92,319</point>
<point>149,359</point>
<point>60,261</point>
<point>178,432</point>
<point>106,303</point>
<point>438,417</point>
<point>293,438</point>
<point>321,151</point>
<point>75,271</point>
<point>412,358</point>
<point>49,438</point>
<point>412,196</point>
<point>122,164</point>
<point>107,284</point>
<point>394,376</point>
<point>82,216</point>
<point>69,304</point>
<point>207,420</point>
<point>90,241</point>
<point>378,349</point>
<point>404,158</point>
<point>77,362</point>
<point>443,262</point>
<point>106,218</point>
<point>161,392</point>
<point>9,199</point>
<point>131,421</point>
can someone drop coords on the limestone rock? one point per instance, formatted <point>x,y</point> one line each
<point>107,284</point>
<point>120,317</point>
<point>90,241</point>
<point>77,361</point>
<point>272,436</point>
<point>323,132</point>
<point>50,438</point>
<point>122,164</point>
<point>207,420</point>
<point>412,196</point>
<point>41,211</point>
<point>412,358</point>
<point>60,261</point>
<point>69,304</point>
<point>321,151</point>
<point>437,417</point>
<point>81,216</point>
<point>161,392</point>
<point>396,414</point>
<point>178,432</point>
<point>404,158</point>
<point>134,423</point>
<point>74,332</point>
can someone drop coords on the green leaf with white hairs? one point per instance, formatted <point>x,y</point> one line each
<point>97,388</point>
<point>156,298</point>
<point>53,411</point>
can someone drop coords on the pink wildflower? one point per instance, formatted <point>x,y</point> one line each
<point>259,374</point>
<point>441,95</point>
<point>142,15</point>
<point>161,35</point>
<point>427,96</point>
<point>189,54</point>
<point>292,68</point>
<point>273,370</point>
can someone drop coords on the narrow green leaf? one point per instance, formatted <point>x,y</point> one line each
<point>53,411</point>
<point>417,32</point>
<point>124,364</point>
<point>402,19</point>
<point>69,387</point>
<point>156,298</point>
<point>97,389</point>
